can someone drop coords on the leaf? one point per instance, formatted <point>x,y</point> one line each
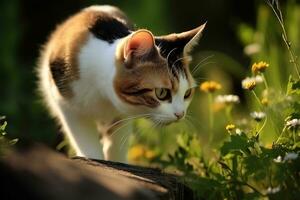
<point>182,140</point>
<point>296,145</point>
<point>224,166</point>
<point>237,143</point>
<point>14,141</point>
<point>205,186</point>
<point>293,86</point>
<point>254,165</point>
<point>284,140</point>
<point>194,147</point>
<point>3,126</point>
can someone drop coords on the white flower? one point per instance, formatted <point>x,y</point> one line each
<point>272,190</point>
<point>294,123</point>
<point>238,131</point>
<point>250,81</point>
<point>258,116</point>
<point>227,99</point>
<point>278,159</point>
<point>252,49</point>
<point>258,79</point>
<point>290,156</point>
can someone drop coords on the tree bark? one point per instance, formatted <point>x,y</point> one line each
<point>41,173</point>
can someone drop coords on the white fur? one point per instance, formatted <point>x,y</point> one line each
<point>88,114</point>
<point>165,112</point>
<point>102,8</point>
<point>106,8</point>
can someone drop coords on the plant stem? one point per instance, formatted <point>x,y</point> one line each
<point>278,14</point>
<point>283,130</point>
<point>211,117</point>
<point>265,81</point>
<point>256,97</point>
<point>294,135</point>
<point>262,127</point>
<point>228,113</point>
<point>246,184</point>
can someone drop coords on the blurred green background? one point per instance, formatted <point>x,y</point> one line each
<point>232,25</point>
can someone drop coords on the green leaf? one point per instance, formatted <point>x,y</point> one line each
<point>194,147</point>
<point>3,126</point>
<point>293,86</point>
<point>237,143</point>
<point>182,140</point>
<point>14,141</point>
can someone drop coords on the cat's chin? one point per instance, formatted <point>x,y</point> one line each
<point>165,122</point>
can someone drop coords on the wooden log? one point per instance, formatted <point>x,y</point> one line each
<point>41,173</point>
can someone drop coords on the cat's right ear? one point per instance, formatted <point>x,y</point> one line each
<point>139,44</point>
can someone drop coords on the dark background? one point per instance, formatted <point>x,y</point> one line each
<point>26,24</point>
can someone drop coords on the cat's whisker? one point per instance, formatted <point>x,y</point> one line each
<point>189,122</point>
<point>202,61</point>
<point>123,125</point>
<point>161,115</point>
<point>173,65</point>
<point>119,128</point>
<point>193,120</point>
<point>198,81</point>
<point>128,118</point>
<point>125,136</point>
<point>170,54</point>
<point>124,140</point>
<point>203,65</point>
<point>154,125</point>
<point>169,72</point>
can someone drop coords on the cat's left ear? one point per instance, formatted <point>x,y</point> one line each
<point>139,44</point>
<point>180,43</point>
<point>194,36</point>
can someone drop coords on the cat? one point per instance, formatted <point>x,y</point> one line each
<point>96,72</point>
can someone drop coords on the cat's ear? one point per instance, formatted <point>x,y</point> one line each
<point>194,37</point>
<point>140,43</point>
<point>180,43</point>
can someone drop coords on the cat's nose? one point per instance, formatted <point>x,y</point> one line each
<point>179,115</point>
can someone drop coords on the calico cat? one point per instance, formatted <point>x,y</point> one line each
<point>96,72</point>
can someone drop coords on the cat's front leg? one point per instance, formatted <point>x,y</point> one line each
<point>115,142</point>
<point>82,134</point>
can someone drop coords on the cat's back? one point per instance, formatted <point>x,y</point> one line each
<point>59,56</point>
<point>104,22</point>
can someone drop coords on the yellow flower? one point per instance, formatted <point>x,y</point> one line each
<point>216,107</point>
<point>230,127</point>
<point>149,154</point>
<point>259,67</point>
<point>249,83</point>
<point>210,86</point>
<point>265,101</point>
<point>136,152</point>
<point>269,145</point>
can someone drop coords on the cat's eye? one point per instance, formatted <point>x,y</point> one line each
<point>163,93</point>
<point>188,93</point>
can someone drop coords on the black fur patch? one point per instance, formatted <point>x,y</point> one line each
<point>173,51</point>
<point>61,75</point>
<point>108,28</point>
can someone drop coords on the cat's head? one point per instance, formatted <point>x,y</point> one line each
<point>153,75</point>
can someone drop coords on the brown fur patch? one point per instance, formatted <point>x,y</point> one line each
<point>66,42</point>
